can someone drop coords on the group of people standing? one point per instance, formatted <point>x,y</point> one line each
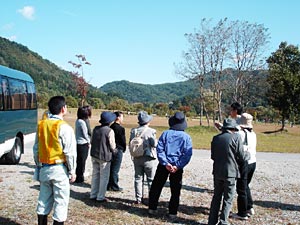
<point>61,162</point>
<point>234,154</point>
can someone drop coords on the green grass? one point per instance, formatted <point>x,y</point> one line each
<point>285,142</point>
<point>201,136</point>
<point>278,142</point>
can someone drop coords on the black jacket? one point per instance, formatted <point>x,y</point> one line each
<point>119,136</point>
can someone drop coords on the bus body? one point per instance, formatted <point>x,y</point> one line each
<point>18,113</point>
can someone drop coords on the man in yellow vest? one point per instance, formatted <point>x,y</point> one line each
<point>55,153</point>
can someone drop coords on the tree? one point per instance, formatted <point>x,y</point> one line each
<point>78,77</point>
<point>212,47</point>
<point>119,104</point>
<point>248,46</point>
<point>72,102</point>
<point>205,59</point>
<point>284,80</point>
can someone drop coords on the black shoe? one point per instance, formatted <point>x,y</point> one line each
<point>79,180</point>
<point>117,189</point>
<point>57,223</point>
<point>102,200</point>
<point>42,219</point>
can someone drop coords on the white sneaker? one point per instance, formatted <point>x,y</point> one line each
<point>250,212</point>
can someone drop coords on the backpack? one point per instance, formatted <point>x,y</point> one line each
<point>136,145</point>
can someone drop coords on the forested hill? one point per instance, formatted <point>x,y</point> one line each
<point>48,77</point>
<point>50,80</point>
<point>146,93</point>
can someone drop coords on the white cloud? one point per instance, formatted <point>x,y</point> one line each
<point>27,12</point>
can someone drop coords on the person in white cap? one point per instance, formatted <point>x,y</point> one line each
<point>244,199</point>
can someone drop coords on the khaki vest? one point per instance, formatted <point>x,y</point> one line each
<point>50,150</point>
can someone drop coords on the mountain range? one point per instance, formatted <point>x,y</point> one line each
<point>146,93</point>
<point>51,80</point>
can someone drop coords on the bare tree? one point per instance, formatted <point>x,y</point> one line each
<point>248,46</point>
<point>78,77</point>
<point>205,58</point>
<point>219,48</point>
<point>195,61</point>
<point>213,49</point>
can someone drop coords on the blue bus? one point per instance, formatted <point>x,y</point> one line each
<point>18,113</point>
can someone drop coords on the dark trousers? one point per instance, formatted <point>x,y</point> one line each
<point>115,166</point>
<point>224,188</point>
<point>241,189</point>
<point>251,169</point>
<point>82,154</point>
<point>158,183</point>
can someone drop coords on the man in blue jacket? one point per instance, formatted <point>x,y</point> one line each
<point>174,151</point>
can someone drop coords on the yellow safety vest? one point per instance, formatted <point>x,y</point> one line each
<point>50,149</point>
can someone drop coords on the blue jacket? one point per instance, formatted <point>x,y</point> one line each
<point>174,147</point>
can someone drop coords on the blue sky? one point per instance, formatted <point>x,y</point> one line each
<point>138,41</point>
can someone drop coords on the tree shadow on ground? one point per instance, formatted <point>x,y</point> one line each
<point>141,210</point>
<point>275,131</point>
<point>7,221</point>
<point>278,205</point>
<point>191,188</point>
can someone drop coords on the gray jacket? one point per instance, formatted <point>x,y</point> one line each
<point>228,155</point>
<point>81,132</point>
<point>149,137</point>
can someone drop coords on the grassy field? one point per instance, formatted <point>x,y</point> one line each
<point>267,139</point>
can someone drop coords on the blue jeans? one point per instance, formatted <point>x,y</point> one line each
<point>114,170</point>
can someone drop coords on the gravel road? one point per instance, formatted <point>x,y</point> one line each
<point>275,187</point>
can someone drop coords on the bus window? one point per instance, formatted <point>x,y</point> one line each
<point>18,94</point>
<point>6,95</point>
<point>31,95</point>
<point>1,95</point>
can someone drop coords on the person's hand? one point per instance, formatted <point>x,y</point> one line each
<point>169,167</point>
<point>218,125</point>
<point>72,178</point>
<point>174,169</point>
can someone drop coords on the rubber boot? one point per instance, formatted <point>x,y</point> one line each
<point>57,223</point>
<point>42,219</point>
